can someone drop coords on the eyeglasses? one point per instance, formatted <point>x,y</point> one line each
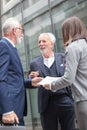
<point>20,29</point>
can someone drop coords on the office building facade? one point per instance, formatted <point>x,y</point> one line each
<point>39,16</point>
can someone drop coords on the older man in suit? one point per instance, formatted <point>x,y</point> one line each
<point>52,106</point>
<point>12,89</point>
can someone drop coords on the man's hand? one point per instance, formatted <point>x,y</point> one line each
<point>10,118</point>
<point>34,74</point>
<point>36,80</point>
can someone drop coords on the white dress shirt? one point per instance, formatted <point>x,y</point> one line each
<point>49,61</point>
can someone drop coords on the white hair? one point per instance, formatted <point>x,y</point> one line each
<point>9,24</point>
<point>51,36</point>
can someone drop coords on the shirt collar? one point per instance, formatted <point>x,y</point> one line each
<point>49,61</point>
<point>9,41</point>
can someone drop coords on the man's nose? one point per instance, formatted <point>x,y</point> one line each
<point>41,43</point>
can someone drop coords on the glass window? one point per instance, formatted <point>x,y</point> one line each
<point>25,4</point>
<point>34,1</point>
<point>6,1</point>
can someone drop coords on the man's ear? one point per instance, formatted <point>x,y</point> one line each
<point>13,31</point>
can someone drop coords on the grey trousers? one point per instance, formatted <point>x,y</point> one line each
<point>81,114</point>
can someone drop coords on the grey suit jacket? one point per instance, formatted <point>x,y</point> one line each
<point>76,70</point>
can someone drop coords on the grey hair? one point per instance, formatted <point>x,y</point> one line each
<point>51,36</point>
<point>9,24</point>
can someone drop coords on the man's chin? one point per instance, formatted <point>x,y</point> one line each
<point>43,52</point>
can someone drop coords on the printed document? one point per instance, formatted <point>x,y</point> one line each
<point>47,80</point>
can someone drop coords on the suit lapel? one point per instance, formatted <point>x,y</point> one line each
<point>14,50</point>
<point>57,62</point>
<point>60,64</point>
<point>17,56</point>
<point>41,66</point>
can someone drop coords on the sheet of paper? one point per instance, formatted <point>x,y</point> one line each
<point>47,80</point>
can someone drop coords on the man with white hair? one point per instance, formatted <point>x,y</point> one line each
<point>12,83</point>
<point>58,106</point>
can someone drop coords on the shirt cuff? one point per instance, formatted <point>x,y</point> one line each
<point>52,87</point>
<point>8,113</point>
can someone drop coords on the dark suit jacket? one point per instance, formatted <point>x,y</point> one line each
<point>43,94</point>
<point>12,90</point>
